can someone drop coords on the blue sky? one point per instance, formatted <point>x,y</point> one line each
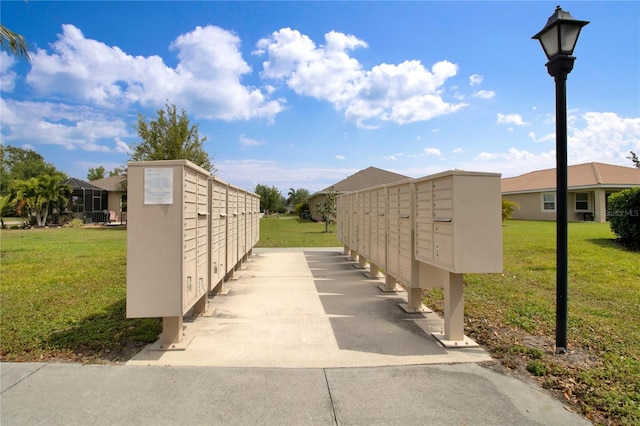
<point>305,94</point>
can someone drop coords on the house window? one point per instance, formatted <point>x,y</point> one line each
<point>582,201</point>
<point>548,202</point>
<point>76,204</point>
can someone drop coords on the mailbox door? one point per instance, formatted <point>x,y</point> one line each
<point>190,238</point>
<point>202,251</point>
<point>381,240</point>
<point>424,221</point>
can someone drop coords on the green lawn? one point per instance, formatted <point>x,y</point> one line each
<point>62,295</point>
<point>290,231</point>
<point>514,315</point>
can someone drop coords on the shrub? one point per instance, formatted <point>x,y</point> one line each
<point>76,223</point>
<point>301,208</point>
<point>508,208</point>
<point>624,216</point>
<point>537,368</point>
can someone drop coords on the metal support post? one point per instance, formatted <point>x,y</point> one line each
<point>171,330</point>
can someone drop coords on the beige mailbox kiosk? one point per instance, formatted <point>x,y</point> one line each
<point>399,232</point>
<point>232,230</point>
<point>167,242</point>
<point>218,189</point>
<point>375,230</point>
<point>458,230</point>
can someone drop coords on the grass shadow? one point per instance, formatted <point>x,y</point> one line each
<point>107,336</point>
<point>612,243</point>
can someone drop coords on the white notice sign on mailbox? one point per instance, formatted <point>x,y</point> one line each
<point>158,185</point>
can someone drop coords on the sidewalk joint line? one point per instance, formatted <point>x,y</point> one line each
<point>29,375</point>
<point>333,408</point>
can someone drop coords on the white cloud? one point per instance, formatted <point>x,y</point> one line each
<point>458,150</point>
<point>245,141</point>
<point>511,119</point>
<point>514,161</point>
<point>484,94</point>
<point>432,152</point>
<point>402,93</point>
<point>326,72</point>
<point>73,127</point>
<point>396,156</point>
<point>605,137</point>
<point>475,79</point>
<point>250,172</point>
<point>595,137</point>
<point>549,118</point>
<point>549,137</point>
<point>122,146</point>
<point>340,157</point>
<point>7,77</point>
<point>206,81</point>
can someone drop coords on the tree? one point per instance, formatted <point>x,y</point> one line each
<point>327,208</point>
<point>270,198</point>
<point>97,173</point>
<point>5,203</point>
<point>297,196</point>
<point>634,158</point>
<point>117,171</point>
<point>31,184</point>
<point>170,137</point>
<point>35,196</point>
<point>508,207</point>
<point>14,43</point>
<point>623,212</point>
<point>22,164</point>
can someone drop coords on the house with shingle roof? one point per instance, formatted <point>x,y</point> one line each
<point>87,201</point>
<point>116,196</point>
<point>589,186</point>
<point>371,176</point>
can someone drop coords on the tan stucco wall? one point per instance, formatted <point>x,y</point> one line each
<point>113,204</point>
<point>531,206</point>
<point>313,202</point>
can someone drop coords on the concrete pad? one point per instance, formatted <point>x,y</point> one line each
<point>462,394</point>
<point>308,309</point>
<point>73,394</point>
<point>12,374</point>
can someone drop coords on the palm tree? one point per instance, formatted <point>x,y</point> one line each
<point>5,202</point>
<point>14,43</point>
<point>54,193</point>
<point>37,195</point>
<point>24,195</point>
<point>292,195</point>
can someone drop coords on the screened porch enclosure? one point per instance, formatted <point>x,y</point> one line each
<point>88,202</point>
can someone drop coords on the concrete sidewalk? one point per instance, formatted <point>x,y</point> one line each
<point>302,338</point>
<point>308,309</point>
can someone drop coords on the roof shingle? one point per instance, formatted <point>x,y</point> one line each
<point>371,176</point>
<point>111,183</point>
<point>580,175</point>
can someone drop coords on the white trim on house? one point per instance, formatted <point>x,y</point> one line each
<point>544,202</point>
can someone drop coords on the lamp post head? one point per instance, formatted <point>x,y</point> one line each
<point>560,34</point>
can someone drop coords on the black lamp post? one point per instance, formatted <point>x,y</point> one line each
<point>558,39</point>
